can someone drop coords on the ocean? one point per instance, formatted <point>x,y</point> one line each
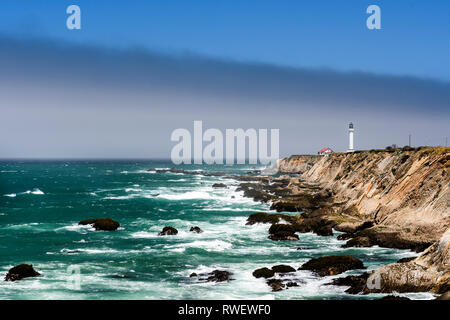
<point>41,203</point>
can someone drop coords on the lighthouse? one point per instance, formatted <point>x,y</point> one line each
<point>350,137</point>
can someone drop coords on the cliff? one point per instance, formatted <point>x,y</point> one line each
<point>407,190</point>
<point>404,195</point>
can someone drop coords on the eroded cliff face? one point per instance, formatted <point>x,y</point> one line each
<point>402,191</point>
<point>405,195</point>
<point>428,272</point>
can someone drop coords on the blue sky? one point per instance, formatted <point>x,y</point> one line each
<point>414,40</point>
<point>137,70</point>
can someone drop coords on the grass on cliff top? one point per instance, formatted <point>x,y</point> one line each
<point>425,150</point>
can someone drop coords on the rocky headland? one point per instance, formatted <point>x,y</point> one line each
<point>395,198</point>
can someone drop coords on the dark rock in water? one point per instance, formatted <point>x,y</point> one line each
<point>275,228</point>
<point>196,229</point>
<point>345,236</point>
<point>292,284</point>
<point>304,248</point>
<point>357,284</point>
<point>214,276</point>
<point>219,185</point>
<point>263,217</point>
<point>263,273</point>
<point>218,276</point>
<point>325,230</point>
<point>393,238</point>
<point>276,284</point>
<point>282,268</point>
<point>286,206</point>
<point>283,236</point>
<point>404,260</point>
<point>21,271</point>
<point>331,265</point>
<point>391,297</point>
<point>257,195</point>
<point>168,231</point>
<point>301,202</point>
<point>281,232</point>
<point>232,197</point>
<point>155,195</point>
<point>358,242</point>
<point>104,224</point>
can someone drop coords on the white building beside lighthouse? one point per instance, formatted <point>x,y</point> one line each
<point>350,137</point>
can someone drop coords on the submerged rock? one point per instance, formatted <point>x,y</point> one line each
<point>276,284</point>
<point>332,265</point>
<point>168,231</point>
<point>292,284</point>
<point>21,271</point>
<point>263,273</point>
<point>218,276</point>
<point>104,224</point>
<point>213,276</point>
<point>196,229</point>
<point>219,185</point>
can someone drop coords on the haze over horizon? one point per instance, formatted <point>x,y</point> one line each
<point>95,93</point>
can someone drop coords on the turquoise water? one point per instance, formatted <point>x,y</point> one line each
<point>41,203</point>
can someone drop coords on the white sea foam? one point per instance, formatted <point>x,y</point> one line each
<point>187,195</point>
<point>77,228</point>
<point>37,191</point>
<point>89,251</point>
<point>34,191</point>
<point>208,245</point>
<point>144,234</point>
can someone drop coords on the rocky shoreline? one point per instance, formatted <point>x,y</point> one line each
<point>390,198</point>
<point>395,198</point>
<point>386,198</point>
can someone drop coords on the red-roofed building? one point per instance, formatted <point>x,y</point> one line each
<point>325,151</point>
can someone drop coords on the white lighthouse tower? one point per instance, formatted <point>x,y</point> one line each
<point>350,137</point>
